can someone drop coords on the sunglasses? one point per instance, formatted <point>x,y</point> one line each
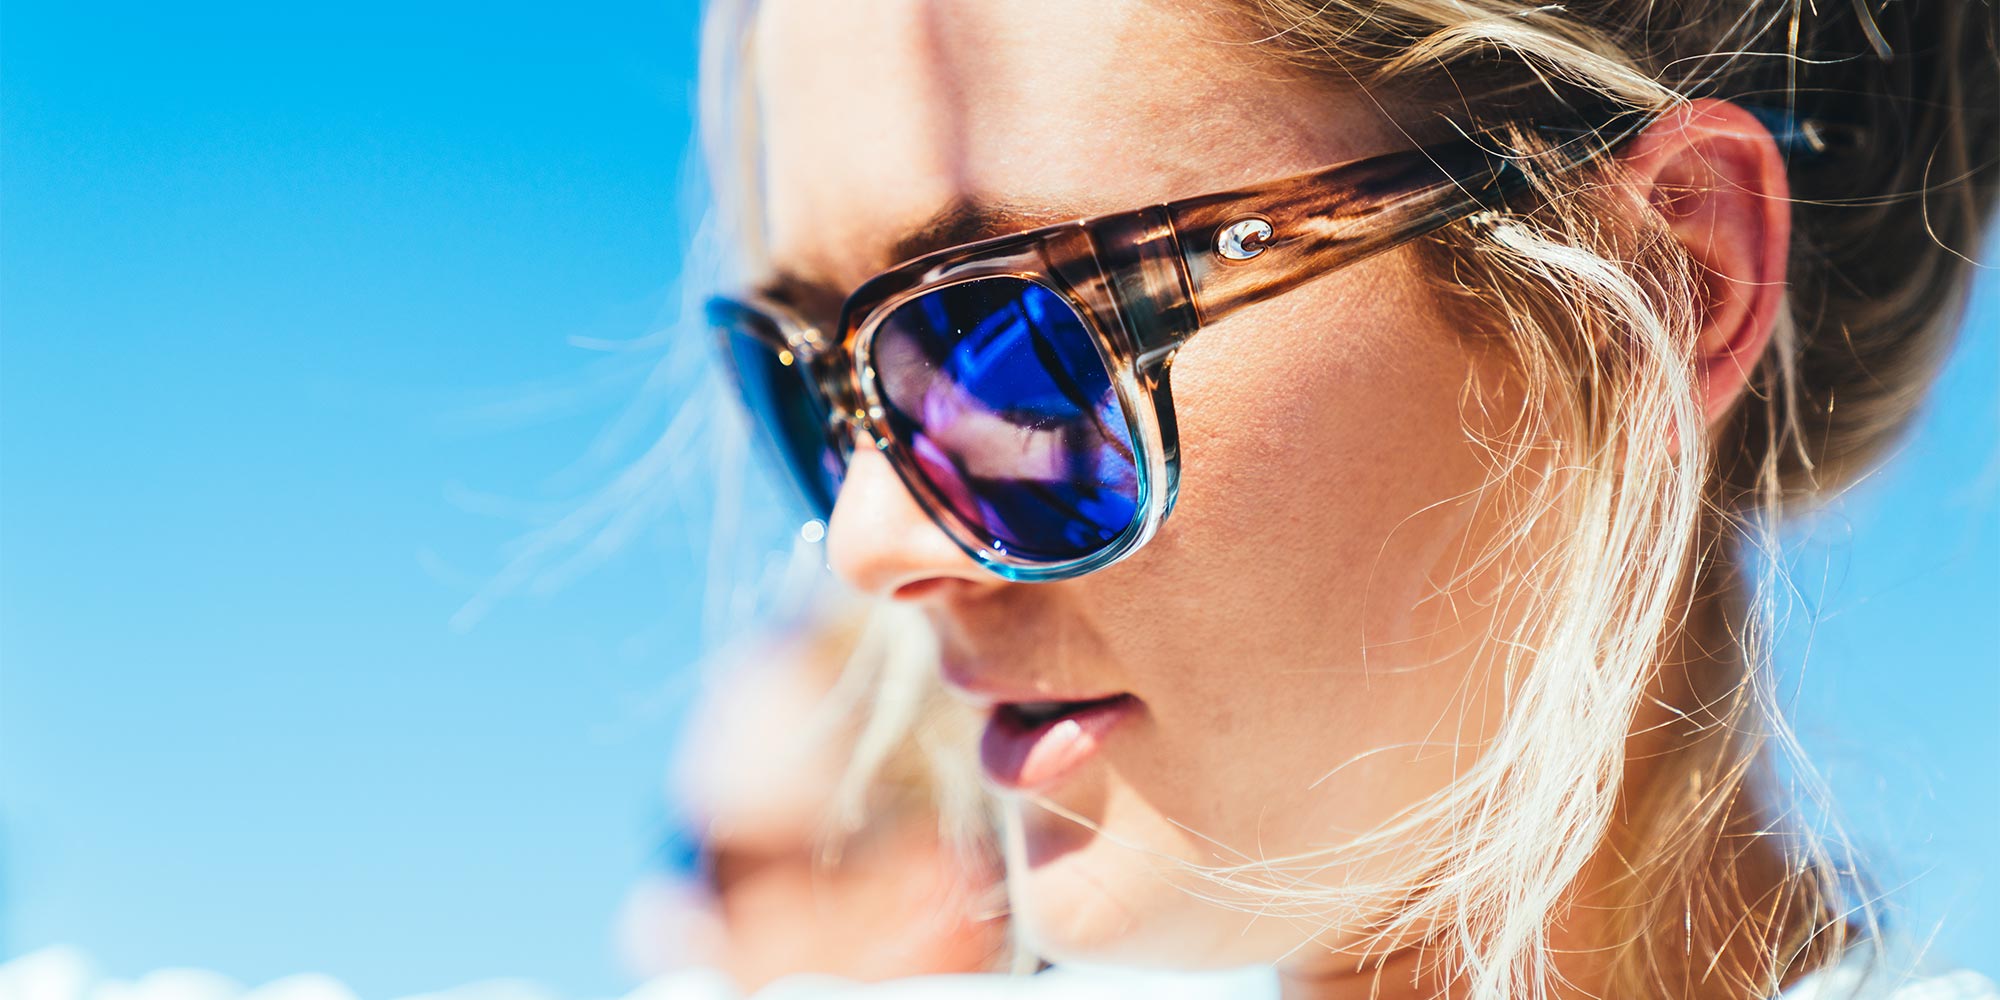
<point>1019,385</point>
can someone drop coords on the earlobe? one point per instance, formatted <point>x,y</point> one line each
<point>1714,174</point>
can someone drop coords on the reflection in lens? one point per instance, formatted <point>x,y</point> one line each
<point>776,388</point>
<point>997,392</point>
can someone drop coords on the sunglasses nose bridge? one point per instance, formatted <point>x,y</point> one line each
<point>844,426</point>
<point>848,414</point>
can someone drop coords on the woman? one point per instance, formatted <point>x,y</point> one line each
<point>1351,550</point>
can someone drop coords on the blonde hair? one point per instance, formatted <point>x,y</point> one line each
<point>1601,321</point>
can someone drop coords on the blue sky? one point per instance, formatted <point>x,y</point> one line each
<point>290,314</point>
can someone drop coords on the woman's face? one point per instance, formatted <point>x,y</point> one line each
<point>1305,640</point>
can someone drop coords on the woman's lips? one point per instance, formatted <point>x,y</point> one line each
<point>1029,745</point>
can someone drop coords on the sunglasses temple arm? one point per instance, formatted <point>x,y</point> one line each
<point>1242,247</point>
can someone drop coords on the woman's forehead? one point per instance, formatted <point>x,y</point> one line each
<point>878,116</point>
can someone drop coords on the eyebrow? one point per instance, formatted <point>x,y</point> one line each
<point>963,221</point>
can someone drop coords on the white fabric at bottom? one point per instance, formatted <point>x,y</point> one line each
<point>64,974</point>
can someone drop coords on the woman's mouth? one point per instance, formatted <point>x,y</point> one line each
<point>1029,744</point>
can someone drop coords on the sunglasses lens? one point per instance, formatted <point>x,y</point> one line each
<point>777,389</point>
<point>996,391</point>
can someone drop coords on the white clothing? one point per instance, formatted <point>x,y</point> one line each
<point>64,974</point>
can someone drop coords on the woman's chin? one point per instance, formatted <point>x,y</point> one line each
<point>1089,899</point>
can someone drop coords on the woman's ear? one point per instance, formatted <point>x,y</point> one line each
<point>1715,174</point>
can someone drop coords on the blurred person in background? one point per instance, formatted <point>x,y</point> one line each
<point>1332,443</point>
<point>798,863</point>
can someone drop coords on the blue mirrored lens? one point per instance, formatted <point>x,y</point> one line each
<point>995,391</point>
<point>777,389</point>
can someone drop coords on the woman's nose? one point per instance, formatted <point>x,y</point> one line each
<point>883,544</point>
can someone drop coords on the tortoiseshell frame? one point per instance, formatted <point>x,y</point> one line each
<point>1144,282</point>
